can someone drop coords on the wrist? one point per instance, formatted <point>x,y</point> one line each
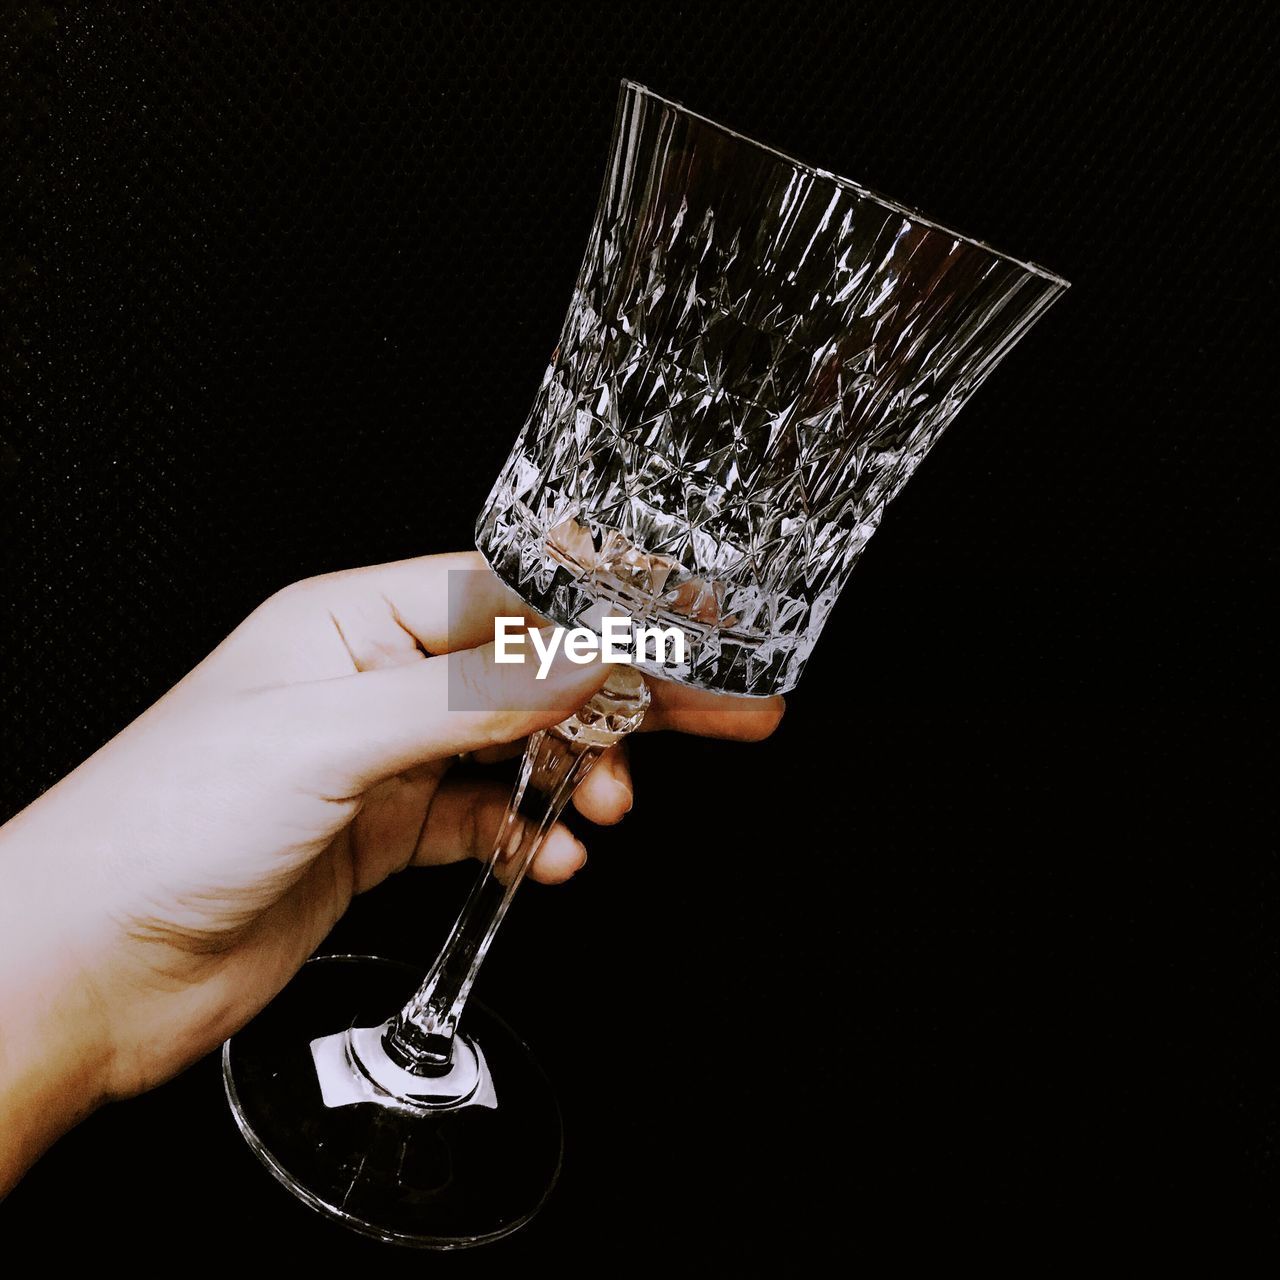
<point>56,1055</point>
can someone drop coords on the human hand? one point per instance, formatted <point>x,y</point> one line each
<point>160,895</point>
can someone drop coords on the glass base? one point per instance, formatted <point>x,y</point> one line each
<point>401,1160</point>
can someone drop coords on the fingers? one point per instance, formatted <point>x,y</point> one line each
<point>369,726</point>
<point>688,710</point>
<point>605,795</point>
<point>464,821</point>
<point>384,615</point>
<point>399,710</point>
<point>711,715</point>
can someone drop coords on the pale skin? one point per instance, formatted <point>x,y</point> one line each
<point>157,897</point>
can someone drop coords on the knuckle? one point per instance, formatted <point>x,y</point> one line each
<point>287,598</point>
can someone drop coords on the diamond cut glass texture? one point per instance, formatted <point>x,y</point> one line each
<point>756,357</point>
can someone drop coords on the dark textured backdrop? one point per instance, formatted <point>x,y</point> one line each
<point>979,942</point>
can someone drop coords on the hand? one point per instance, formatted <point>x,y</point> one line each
<point>159,896</point>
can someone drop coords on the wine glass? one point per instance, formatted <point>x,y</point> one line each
<point>757,355</point>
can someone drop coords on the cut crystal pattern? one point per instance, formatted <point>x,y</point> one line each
<point>757,356</point>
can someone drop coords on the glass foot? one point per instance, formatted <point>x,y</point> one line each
<point>438,1162</point>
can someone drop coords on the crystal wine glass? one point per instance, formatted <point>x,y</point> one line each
<point>757,355</point>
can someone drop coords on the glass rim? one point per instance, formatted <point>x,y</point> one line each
<point>875,197</point>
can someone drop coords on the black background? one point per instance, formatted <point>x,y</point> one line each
<point>977,948</point>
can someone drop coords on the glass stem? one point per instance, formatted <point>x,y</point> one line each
<point>421,1038</point>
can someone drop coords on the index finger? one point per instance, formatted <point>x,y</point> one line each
<point>449,601</point>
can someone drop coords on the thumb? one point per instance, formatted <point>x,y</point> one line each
<point>376,724</point>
